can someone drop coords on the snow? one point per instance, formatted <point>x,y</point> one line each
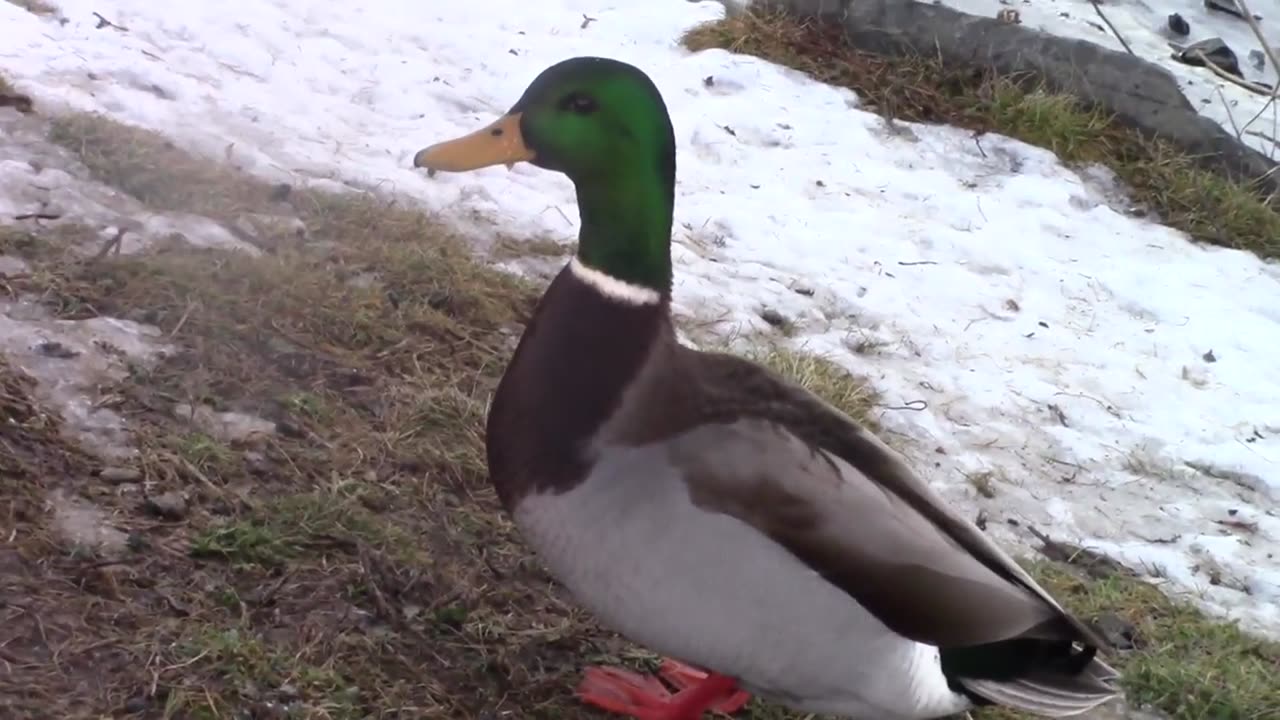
<point>1115,383</point>
<point>85,525</point>
<point>1144,26</point>
<point>71,360</point>
<point>39,177</point>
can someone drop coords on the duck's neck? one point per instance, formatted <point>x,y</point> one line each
<point>626,225</point>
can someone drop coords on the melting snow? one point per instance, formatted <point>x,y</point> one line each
<point>71,359</point>
<point>37,177</point>
<point>1114,383</point>
<point>11,266</point>
<point>85,525</point>
<point>227,426</point>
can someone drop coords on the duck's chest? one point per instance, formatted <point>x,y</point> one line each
<point>575,364</point>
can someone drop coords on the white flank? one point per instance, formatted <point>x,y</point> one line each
<point>613,288</point>
<point>730,598</point>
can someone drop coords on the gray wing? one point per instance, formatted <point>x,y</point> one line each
<point>781,459</point>
<point>920,580</point>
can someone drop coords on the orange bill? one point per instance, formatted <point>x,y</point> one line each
<point>499,143</point>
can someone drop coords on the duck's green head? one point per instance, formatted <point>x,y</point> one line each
<point>602,123</point>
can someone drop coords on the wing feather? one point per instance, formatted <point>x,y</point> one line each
<point>780,458</point>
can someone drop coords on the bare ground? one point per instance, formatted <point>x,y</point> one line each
<point>344,556</point>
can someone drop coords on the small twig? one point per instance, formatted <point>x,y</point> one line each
<point>1245,525</point>
<point>1114,31</point>
<point>199,475</point>
<point>1040,536</point>
<point>112,244</point>
<point>101,564</point>
<point>913,405</point>
<point>269,594</point>
<point>1255,88</point>
<point>103,22</point>
<point>1067,463</point>
<point>182,320</point>
<point>1264,136</point>
<point>1230,116</point>
<point>1267,105</point>
<point>379,600</point>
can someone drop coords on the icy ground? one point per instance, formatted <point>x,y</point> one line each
<point>1144,25</point>
<point>1111,383</point>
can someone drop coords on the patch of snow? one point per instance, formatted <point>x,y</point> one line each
<point>1115,383</point>
<point>39,177</point>
<point>83,524</point>
<point>10,266</point>
<point>71,360</point>
<point>227,426</point>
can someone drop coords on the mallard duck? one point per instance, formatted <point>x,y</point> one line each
<point>714,512</point>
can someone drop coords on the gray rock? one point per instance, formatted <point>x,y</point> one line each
<point>170,505</point>
<point>120,475</point>
<point>1139,93</point>
<point>1214,50</point>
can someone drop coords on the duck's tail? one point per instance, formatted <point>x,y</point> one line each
<point>1050,692</point>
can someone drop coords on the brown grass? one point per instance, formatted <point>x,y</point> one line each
<point>355,563</point>
<point>1205,205</point>
<point>10,97</point>
<point>37,7</point>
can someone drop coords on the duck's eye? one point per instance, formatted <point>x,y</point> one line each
<point>578,103</point>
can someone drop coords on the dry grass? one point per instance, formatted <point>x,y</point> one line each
<point>821,376</point>
<point>1205,205</point>
<point>10,97</point>
<point>354,564</point>
<point>38,7</point>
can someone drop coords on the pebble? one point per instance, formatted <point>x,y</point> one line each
<point>170,505</point>
<point>120,475</point>
<point>773,317</point>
